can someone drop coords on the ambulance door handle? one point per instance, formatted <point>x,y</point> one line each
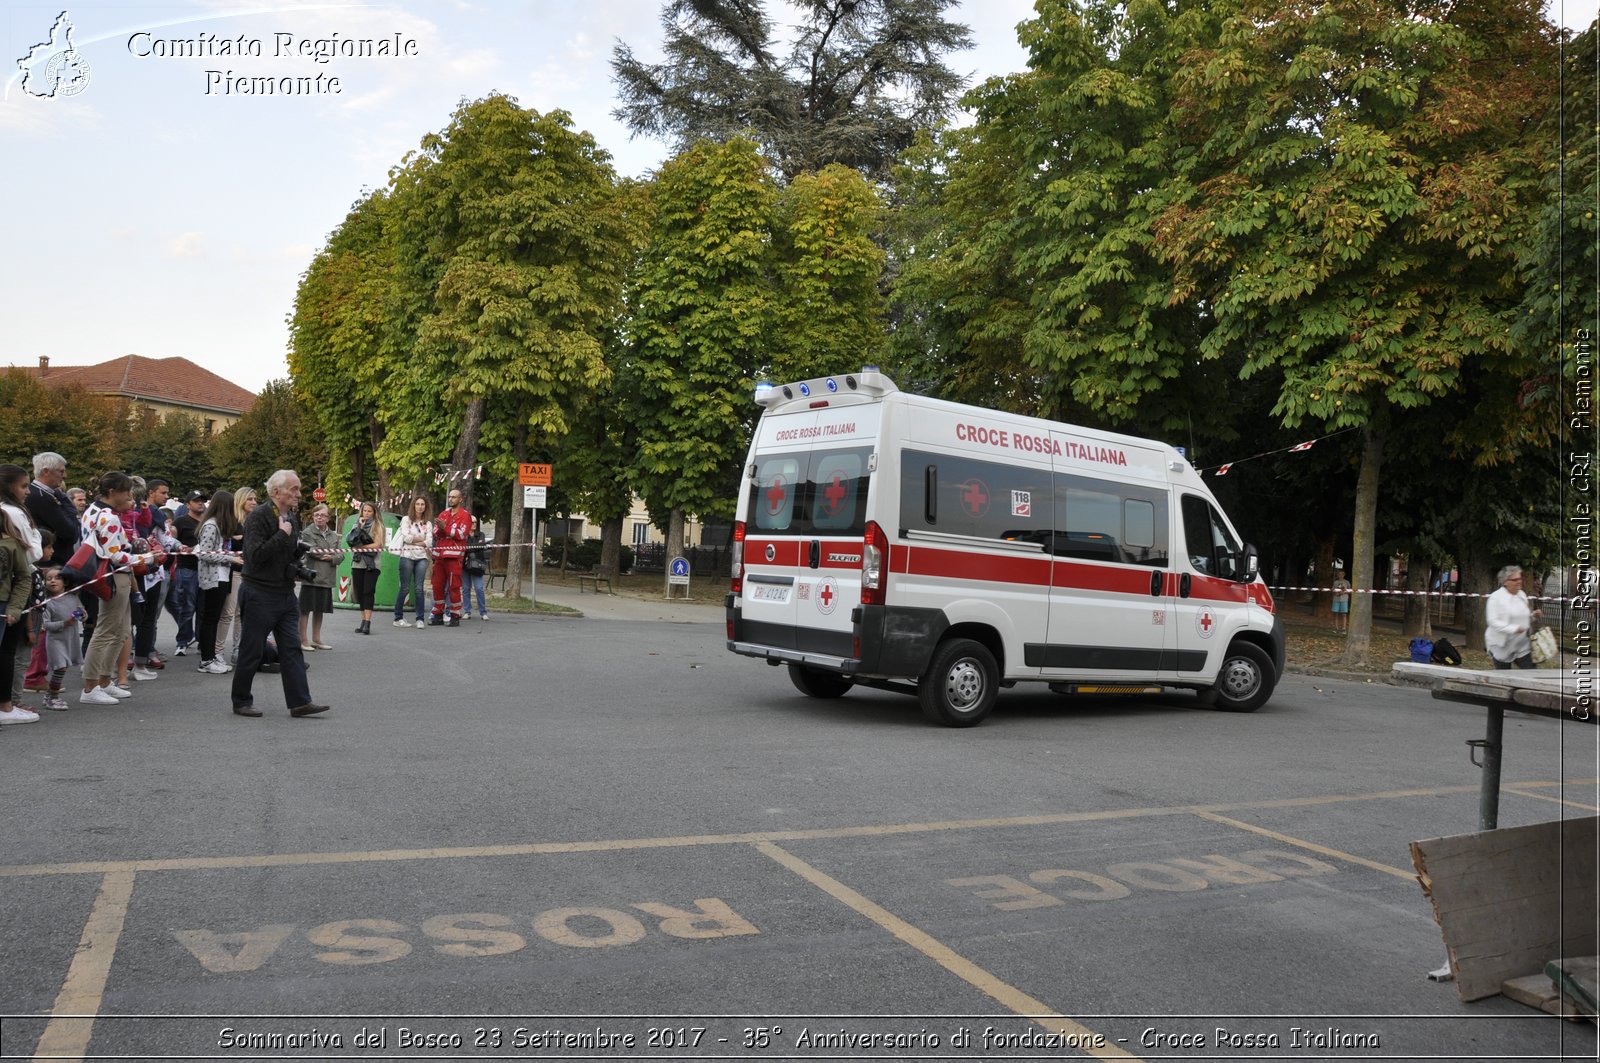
<point>1156,579</point>
<point>1183,585</point>
<point>816,553</point>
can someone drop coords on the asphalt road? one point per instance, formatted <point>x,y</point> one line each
<point>541,838</point>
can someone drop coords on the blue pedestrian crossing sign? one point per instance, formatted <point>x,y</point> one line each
<point>678,572</point>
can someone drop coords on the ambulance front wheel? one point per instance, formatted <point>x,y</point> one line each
<point>960,685</point>
<point>1245,682</point>
<point>818,684</point>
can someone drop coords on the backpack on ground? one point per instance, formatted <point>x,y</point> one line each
<point>1445,653</point>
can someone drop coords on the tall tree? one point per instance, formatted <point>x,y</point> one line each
<point>175,448</point>
<point>703,316</point>
<point>861,77</point>
<point>279,432</point>
<point>516,238</point>
<point>828,269</point>
<point>342,346</point>
<point>90,431</point>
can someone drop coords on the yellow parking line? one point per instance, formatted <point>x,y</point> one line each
<point>1546,797</point>
<point>66,1036</point>
<point>1003,992</point>
<point>207,863</point>
<point>1338,854</point>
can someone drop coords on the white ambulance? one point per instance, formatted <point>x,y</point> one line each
<point>889,540</point>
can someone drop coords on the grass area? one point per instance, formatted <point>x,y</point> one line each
<point>500,604</point>
<point>649,585</point>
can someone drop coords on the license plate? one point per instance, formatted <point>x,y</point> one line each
<point>766,592</point>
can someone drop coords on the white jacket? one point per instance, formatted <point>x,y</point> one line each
<point>413,539</point>
<point>1510,623</point>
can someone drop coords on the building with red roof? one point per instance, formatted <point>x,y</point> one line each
<point>164,385</point>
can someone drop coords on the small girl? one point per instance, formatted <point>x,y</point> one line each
<point>62,617</point>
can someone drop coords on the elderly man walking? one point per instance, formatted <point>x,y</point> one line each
<point>267,604</point>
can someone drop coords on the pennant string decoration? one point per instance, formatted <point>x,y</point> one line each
<point>1222,470</point>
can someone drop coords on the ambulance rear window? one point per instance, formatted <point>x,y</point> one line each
<point>819,492</point>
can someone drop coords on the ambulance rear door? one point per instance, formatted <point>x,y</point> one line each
<point>805,518</point>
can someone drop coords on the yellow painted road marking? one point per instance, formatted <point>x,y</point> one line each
<point>1005,993</point>
<point>206,863</point>
<point>1338,854</point>
<point>66,1037</point>
<point>1546,797</point>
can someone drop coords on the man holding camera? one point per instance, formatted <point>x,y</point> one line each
<point>267,604</point>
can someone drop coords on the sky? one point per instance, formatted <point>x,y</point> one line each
<point>152,208</point>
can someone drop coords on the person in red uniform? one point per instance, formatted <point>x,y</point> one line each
<point>452,529</point>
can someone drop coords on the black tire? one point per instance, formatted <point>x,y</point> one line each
<point>819,684</point>
<point>1245,682</point>
<point>960,685</point>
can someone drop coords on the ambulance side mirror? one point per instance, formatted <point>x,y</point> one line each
<point>1251,565</point>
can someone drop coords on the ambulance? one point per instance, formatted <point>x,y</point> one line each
<point>890,540</point>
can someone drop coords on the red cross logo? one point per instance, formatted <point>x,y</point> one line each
<point>1206,623</point>
<point>776,494</point>
<point>834,493</point>
<point>827,595</point>
<point>975,497</point>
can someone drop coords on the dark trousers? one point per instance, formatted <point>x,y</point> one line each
<point>366,586</point>
<point>276,613</point>
<point>1525,661</point>
<point>146,615</point>
<point>211,602</point>
<point>8,656</point>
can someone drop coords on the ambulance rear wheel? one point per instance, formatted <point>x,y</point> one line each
<point>959,688</point>
<point>818,684</point>
<point>1245,682</point>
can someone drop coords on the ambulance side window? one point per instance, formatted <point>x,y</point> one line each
<point>772,495</point>
<point>1099,520</point>
<point>964,496</point>
<point>1203,531</point>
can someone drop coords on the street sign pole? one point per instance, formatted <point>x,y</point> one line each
<point>534,498</point>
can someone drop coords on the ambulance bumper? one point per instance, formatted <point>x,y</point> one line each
<point>816,660</point>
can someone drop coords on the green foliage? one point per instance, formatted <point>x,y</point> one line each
<point>175,448</point>
<point>703,319</point>
<point>280,431</point>
<point>862,77</point>
<point>583,555</point>
<point>88,430</point>
<point>828,268</point>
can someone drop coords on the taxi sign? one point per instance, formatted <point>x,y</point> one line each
<point>533,475</point>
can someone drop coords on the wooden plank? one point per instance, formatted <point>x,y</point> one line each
<point>1534,990</point>
<point>1508,900</point>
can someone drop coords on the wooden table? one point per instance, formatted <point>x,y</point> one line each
<point>1552,692</point>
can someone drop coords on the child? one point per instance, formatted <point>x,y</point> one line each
<point>1341,599</point>
<point>62,615</point>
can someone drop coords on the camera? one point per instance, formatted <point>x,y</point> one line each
<point>298,568</point>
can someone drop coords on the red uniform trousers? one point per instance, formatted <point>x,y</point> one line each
<point>447,573</point>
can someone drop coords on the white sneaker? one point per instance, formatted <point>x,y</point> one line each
<point>18,715</point>
<point>96,696</point>
<point>402,623</point>
<point>216,667</point>
<point>307,647</point>
<point>422,623</point>
<point>143,674</point>
<point>181,650</point>
<point>117,692</point>
<point>483,616</point>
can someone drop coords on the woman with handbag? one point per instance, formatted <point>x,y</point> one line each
<point>104,526</point>
<point>366,544</point>
<point>1508,637</point>
<point>322,558</point>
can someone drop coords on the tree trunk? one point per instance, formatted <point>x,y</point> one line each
<point>381,495</point>
<point>1418,620</point>
<point>514,561</point>
<point>674,549</point>
<point>1359,645</point>
<point>1477,582</point>
<point>465,458</point>
<point>611,547</point>
<point>358,473</point>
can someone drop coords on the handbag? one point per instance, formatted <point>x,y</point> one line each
<point>1544,646</point>
<point>85,569</point>
<point>358,536</point>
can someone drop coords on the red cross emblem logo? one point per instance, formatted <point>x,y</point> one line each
<point>975,497</point>
<point>827,595</point>
<point>777,493</point>
<point>1205,623</point>
<point>833,495</point>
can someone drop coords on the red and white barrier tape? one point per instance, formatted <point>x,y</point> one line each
<point>1368,590</point>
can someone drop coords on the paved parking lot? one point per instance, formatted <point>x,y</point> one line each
<point>610,838</point>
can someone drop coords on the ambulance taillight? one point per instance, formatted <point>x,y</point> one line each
<point>736,574</point>
<point>874,548</point>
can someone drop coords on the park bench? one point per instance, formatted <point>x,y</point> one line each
<point>595,577</point>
